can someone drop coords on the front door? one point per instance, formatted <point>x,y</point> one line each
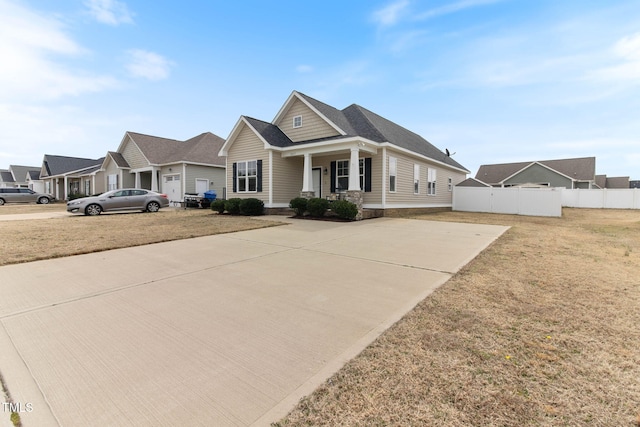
<point>317,181</point>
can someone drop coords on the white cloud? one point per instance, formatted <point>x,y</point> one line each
<point>452,8</point>
<point>148,65</point>
<point>626,52</point>
<point>303,68</point>
<point>110,12</point>
<point>31,47</point>
<point>390,14</point>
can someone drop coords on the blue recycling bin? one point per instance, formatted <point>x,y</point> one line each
<point>210,195</point>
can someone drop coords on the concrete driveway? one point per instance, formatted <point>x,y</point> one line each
<point>223,330</point>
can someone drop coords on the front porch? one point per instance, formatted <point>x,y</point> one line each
<point>347,174</point>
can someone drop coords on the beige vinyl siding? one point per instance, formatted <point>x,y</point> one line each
<point>287,178</point>
<point>134,156</point>
<point>313,126</point>
<point>247,146</point>
<point>404,194</point>
<point>216,177</point>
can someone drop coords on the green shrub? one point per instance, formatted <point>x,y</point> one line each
<point>251,207</point>
<point>218,205</point>
<point>299,205</point>
<point>232,206</point>
<point>345,209</point>
<point>317,207</point>
<point>76,196</point>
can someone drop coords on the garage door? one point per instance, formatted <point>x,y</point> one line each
<point>172,188</point>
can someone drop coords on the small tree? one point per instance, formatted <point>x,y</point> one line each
<point>345,209</point>
<point>317,207</point>
<point>299,205</point>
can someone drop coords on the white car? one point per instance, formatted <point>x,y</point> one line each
<point>125,199</point>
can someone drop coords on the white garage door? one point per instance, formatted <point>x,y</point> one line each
<point>172,188</point>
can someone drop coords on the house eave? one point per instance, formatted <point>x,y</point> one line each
<point>335,145</point>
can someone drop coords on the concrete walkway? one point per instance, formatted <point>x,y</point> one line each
<point>223,330</point>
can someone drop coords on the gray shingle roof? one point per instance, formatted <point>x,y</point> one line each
<point>358,121</point>
<point>270,132</point>
<point>6,176</point>
<point>60,165</point>
<point>20,172</point>
<point>119,159</point>
<point>581,169</point>
<point>200,149</point>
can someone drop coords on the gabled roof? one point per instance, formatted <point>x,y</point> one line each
<point>199,149</point>
<point>6,176</point>
<point>472,182</point>
<point>118,159</point>
<point>34,175</point>
<point>579,169</point>
<point>352,121</point>
<point>20,172</point>
<point>61,165</point>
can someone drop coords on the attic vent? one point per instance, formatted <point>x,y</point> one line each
<point>297,122</point>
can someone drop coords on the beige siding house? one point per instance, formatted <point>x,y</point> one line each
<point>64,176</point>
<point>311,149</point>
<point>166,165</point>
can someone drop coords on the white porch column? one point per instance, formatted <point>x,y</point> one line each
<point>66,187</point>
<point>354,170</point>
<point>137,180</point>
<point>154,179</point>
<point>307,177</point>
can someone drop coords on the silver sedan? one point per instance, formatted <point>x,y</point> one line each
<point>119,200</point>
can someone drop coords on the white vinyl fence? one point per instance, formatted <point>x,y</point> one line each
<point>514,200</point>
<point>610,198</point>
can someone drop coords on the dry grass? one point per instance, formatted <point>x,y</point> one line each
<point>31,240</point>
<point>541,329</point>
<point>27,208</point>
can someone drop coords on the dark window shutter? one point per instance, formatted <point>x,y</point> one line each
<point>333,177</point>
<point>259,184</point>
<point>367,174</point>
<point>235,177</point>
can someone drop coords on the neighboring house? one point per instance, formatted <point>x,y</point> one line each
<point>603,181</point>
<point>634,184</point>
<point>311,149</point>
<point>568,173</point>
<point>167,165</point>
<point>34,182</point>
<point>17,176</point>
<point>64,176</point>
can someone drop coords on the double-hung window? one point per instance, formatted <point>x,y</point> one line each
<point>431,182</point>
<point>342,174</point>
<point>393,174</point>
<point>248,176</point>
<point>416,179</point>
<point>297,122</point>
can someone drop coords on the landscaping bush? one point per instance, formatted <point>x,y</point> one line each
<point>345,209</point>
<point>317,207</point>
<point>251,207</point>
<point>233,206</point>
<point>76,196</point>
<point>218,205</point>
<point>299,205</point>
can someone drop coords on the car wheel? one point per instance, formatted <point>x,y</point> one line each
<point>93,210</point>
<point>1,202</point>
<point>43,200</point>
<point>153,207</point>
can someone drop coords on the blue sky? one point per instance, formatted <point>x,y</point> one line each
<point>493,81</point>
